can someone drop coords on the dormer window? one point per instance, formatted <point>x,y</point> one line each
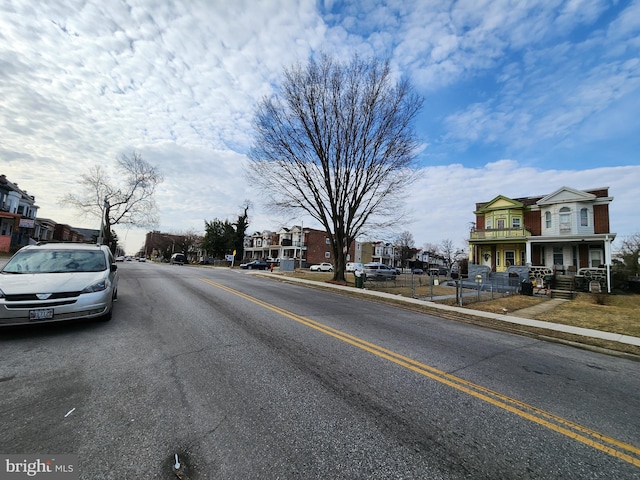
<point>547,219</point>
<point>515,222</point>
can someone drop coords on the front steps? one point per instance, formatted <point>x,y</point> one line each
<point>564,287</point>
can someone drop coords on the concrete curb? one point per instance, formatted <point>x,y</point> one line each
<point>585,332</point>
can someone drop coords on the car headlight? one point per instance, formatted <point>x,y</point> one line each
<point>97,287</point>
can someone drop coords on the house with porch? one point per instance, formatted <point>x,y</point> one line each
<point>564,232</point>
<point>17,215</point>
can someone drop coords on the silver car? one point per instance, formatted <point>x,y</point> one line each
<point>379,271</point>
<point>58,281</point>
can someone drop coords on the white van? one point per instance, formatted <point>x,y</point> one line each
<point>353,266</point>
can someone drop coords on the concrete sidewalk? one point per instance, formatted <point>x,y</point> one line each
<point>542,307</point>
<point>519,317</point>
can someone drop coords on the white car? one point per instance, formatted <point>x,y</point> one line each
<point>321,267</point>
<point>53,282</point>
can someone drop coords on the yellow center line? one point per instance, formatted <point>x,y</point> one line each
<point>611,446</point>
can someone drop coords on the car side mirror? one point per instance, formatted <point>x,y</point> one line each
<point>114,267</point>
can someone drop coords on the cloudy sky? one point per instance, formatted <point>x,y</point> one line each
<point>520,98</point>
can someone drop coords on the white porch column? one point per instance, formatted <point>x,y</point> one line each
<point>607,261</point>
<point>528,252</point>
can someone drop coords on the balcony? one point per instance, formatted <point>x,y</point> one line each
<point>500,234</point>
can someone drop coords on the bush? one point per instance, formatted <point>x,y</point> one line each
<point>600,298</point>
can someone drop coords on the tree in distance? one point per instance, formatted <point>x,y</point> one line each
<point>337,142</point>
<point>128,201</point>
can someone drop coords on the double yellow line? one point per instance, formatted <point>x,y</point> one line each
<point>611,446</point>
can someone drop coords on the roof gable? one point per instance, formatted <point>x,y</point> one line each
<point>500,203</point>
<point>566,195</point>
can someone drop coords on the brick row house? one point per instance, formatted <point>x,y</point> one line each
<point>17,215</point>
<point>563,232</point>
<point>305,245</point>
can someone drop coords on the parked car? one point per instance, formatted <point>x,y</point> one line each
<point>417,271</point>
<point>436,271</point>
<point>177,259</point>
<point>380,271</point>
<point>321,267</point>
<point>55,282</point>
<point>353,266</point>
<point>255,265</point>
<point>120,258</point>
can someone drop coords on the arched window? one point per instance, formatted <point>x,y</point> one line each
<point>584,217</point>
<point>547,219</point>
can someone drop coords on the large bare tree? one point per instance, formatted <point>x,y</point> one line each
<point>129,200</point>
<point>337,142</point>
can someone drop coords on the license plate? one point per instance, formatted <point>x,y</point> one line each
<point>40,314</point>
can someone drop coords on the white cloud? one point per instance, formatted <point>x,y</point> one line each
<point>86,80</point>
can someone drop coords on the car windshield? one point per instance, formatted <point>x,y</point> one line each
<point>56,261</point>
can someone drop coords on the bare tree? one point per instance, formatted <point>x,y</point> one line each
<point>337,142</point>
<point>626,262</point>
<point>128,201</point>
<point>189,242</point>
<point>450,253</point>
<point>406,245</point>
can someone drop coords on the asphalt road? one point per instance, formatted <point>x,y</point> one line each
<point>245,377</point>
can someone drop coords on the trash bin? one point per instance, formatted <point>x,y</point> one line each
<point>526,288</point>
<point>359,278</point>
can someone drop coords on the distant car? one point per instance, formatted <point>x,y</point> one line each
<point>255,265</point>
<point>56,282</point>
<point>353,266</point>
<point>436,271</point>
<point>380,271</point>
<point>177,259</point>
<point>142,259</point>
<point>321,267</point>
<point>417,271</point>
<point>120,258</point>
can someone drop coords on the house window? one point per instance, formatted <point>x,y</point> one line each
<point>488,224</point>
<point>501,224</point>
<point>515,222</point>
<point>259,242</point>
<point>558,257</point>
<point>327,240</point>
<point>327,254</point>
<point>595,257</point>
<point>547,219</point>
<point>523,257</point>
<point>584,218</point>
<point>509,257</point>
<point>565,220</point>
<point>498,258</point>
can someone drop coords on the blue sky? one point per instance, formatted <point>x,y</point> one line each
<point>521,98</point>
